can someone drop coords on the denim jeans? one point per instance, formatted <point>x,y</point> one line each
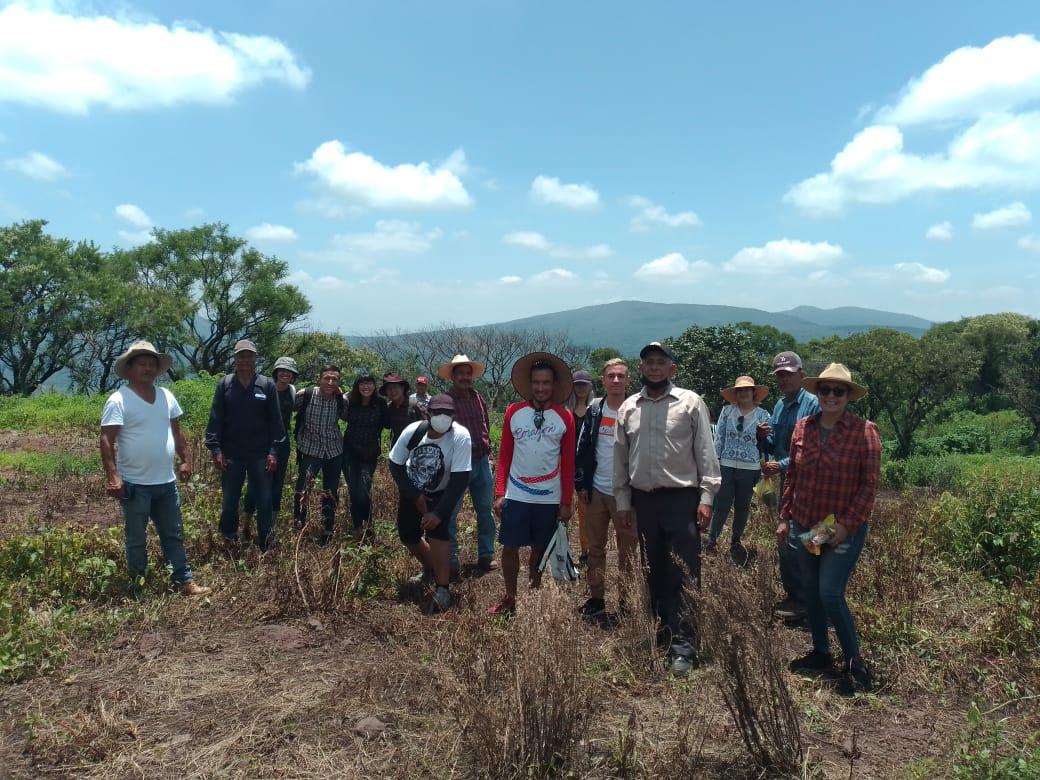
<point>825,577</point>
<point>309,468</point>
<point>231,482</point>
<point>482,491</point>
<point>736,491</point>
<point>277,484</point>
<point>162,503</point>
<point>359,473</point>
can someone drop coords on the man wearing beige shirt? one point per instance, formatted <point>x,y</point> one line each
<point>666,470</point>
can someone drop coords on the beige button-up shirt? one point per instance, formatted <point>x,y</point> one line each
<point>664,443</point>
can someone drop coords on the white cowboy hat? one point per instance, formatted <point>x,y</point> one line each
<point>142,348</point>
<point>835,372</point>
<point>444,372</point>
<point>521,376</point>
<point>745,382</point>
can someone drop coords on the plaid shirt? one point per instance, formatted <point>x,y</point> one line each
<point>471,411</point>
<point>319,429</point>
<point>839,478</point>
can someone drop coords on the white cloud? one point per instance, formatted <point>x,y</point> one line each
<point>651,215</point>
<point>456,163</point>
<point>550,191</point>
<point>917,272</point>
<point>529,239</point>
<point>1029,243</point>
<point>390,236</point>
<point>134,237</point>
<point>361,180</point>
<point>268,233</point>
<point>942,231</point>
<point>510,279</point>
<point>68,62</point>
<point>37,165</point>
<point>1013,215</point>
<point>785,255</point>
<point>134,216</point>
<point>672,267</point>
<point>553,275</point>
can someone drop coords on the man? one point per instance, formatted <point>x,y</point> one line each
<point>139,435</point>
<point>471,413</point>
<point>775,439</point>
<point>665,468</point>
<point>420,399</point>
<point>245,434</point>
<point>431,464</point>
<point>535,480</point>
<point>284,374</point>
<point>594,482</point>
<point>320,444</point>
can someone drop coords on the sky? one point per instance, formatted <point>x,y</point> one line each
<point>473,161</point>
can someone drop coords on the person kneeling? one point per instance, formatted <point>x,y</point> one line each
<point>431,463</point>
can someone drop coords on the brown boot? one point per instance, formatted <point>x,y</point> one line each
<point>193,590</point>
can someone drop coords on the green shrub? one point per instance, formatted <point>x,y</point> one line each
<point>51,412</point>
<point>195,397</point>
<point>51,462</point>
<point>965,438</point>
<point>987,756</point>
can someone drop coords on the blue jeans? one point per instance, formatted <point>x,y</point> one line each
<point>277,484</point>
<point>231,482</point>
<point>482,491</point>
<point>825,577</point>
<point>359,473</point>
<point>736,492</point>
<point>162,503</point>
<point>309,468</point>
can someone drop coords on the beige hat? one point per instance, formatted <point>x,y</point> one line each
<point>142,348</point>
<point>460,360</point>
<point>730,393</point>
<point>521,376</point>
<point>835,372</point>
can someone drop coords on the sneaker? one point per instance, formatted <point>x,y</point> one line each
<point>441,600</point>
<point>683,664</point>
<point>812,663</point>
<point>855,678</point>
<point>593,608</point>
<point>485,565</point>
<point>194,591</point>
<point>422,579</point>
<point>739,554</point>
<point>710,545</point>
<point>789,608</point>
<point>505,607</point>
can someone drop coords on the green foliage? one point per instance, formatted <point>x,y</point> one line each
<point>986,755</point>
<point>50,412</point>
<point>195,397</point>
<point>710,359</point>
<point>51,462</point>
<point>314,349</point>
<point>1023,377</point>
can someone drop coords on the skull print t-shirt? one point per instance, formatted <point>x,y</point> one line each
<point>433,461</point>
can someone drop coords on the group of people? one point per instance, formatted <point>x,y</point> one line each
<point>648,464</point>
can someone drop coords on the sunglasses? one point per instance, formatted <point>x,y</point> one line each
<point>539,419</point>
<point>740,423</point>
<point>837,391</point>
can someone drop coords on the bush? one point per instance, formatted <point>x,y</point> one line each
<point>986,755</point>
<point>195,397</point>
<point>51,412</point>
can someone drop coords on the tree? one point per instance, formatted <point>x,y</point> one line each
<point>907,377</point>
<point>313,349</point>
<point>1022,382</point>
<point>47,299</point>
<point>767,342</point>
<point>709,359</point>
<point>599,356</point>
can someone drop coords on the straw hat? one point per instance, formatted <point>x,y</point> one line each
<point>730,393</point>
<point>835,372</point>
<point>142,348</point>
<point>444,372</point>
<point>521,376</point>
<point>393,378</point>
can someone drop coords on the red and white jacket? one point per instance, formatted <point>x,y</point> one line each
<point>536,464</point>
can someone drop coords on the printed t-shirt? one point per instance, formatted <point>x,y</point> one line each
<point>430,465</point>
<point>603,479</point>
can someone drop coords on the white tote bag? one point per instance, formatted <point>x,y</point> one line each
<point>558,556</point>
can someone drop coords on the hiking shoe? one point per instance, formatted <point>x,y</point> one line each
<point>422,579</point>
<point>683,664</point>
<point>194,591</point>
<point>593,608</point>
<point>485,565</point>
<point>505,607</point>
<point>441,600</point>
<point>739,554</point>
<point>710,545</point>
<point>789,608</point>
<point>812,663</point>
<point>855,678</point>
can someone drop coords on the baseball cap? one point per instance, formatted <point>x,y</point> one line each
<point>582,376</point>
<point>655,346</point>
<point>787,361</point>
<point>245,345</point>
<point>443,402</point>
<point>422,380</point>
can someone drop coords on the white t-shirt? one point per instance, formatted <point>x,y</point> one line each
<point>433,461</point>
<point>144,446</point>
<point>603,479</point>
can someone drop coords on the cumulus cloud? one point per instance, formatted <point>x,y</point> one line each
<point>550,191</point>
<point>784,255</point>
<point>651,215</point>
<point>360,180</point>
<point>72,62</point>
<point>1013,215</point>
<point>672,267</point>
<point>37,165</point>
<point>268,233</point>
<point>529,239</point>
<point>391,236</point>
<point>553,275</point>
<point>135,217</point>
<point>924,274</point>
<point>943,231</point>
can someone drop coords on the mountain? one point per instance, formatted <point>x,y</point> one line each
<point>859,318</point>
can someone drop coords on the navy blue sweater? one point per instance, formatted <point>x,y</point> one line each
<point>245,421</point>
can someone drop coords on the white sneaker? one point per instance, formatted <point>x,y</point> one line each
<point>422,579</point>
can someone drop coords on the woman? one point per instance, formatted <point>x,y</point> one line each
<point>399,412</point>
<point>737,449</point>
<point>834,470</point>
<point>361,447</point>
<point>578,405</point>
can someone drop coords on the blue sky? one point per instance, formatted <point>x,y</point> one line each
<point>473,161</point>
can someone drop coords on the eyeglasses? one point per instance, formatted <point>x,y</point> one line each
<point>837,392</point>
<point>740,423</point>
<point>539,418</point>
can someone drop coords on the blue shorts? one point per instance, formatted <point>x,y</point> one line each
<point>527,525</point>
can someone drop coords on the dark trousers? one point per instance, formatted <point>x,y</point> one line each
<point>791,563</point>
<point>277,484</point>
<point>738,486</point>
<point>667,521</point>
<point>231,482</point>
<point>359,487</point>
<point>309,468</point>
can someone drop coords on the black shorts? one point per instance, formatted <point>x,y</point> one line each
<point>409,529</point>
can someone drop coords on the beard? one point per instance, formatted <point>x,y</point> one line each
<point>658,385</point>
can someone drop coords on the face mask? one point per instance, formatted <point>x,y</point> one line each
<point>655,385</point>
<point>440,422</point>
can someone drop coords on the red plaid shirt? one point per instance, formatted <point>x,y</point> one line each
<point>839,478</point>
<point>471,411</point>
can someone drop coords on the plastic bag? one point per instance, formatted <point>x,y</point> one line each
<point>818,535</point>
<point>558,556</point>
<point>767,491</point>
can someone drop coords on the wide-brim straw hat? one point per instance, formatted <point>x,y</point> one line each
<point>444,372</point>
<point>835,372</point>
<point>744,383</point>
<point>142,348</point>
<point>521,376</point>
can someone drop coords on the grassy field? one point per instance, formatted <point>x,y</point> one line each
<point>271,675</point>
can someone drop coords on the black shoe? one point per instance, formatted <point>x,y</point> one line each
<point>593,608</point>
<point>813,664</point>
<point>739,554</point>
<point>326,537</point>
<point>789,608</point>
<point>710,546</point>
<point>855,678</point>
